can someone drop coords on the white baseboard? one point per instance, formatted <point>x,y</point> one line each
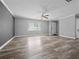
<point>6,43</point>
<point>20,35</point>
<point>67,36</point>
<point>28,35</point>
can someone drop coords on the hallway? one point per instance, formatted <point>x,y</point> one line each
<point>41,47</point>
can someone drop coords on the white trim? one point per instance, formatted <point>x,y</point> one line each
<point>50,35</point>
<point>7,7</point>
<point>29,35</point>
<point>20,35</point>
<point>67,16</point>
<point>67,36</point>
<point>1,47</point>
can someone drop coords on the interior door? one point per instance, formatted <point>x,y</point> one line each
<point>53,28</point>
<point>77,27</point>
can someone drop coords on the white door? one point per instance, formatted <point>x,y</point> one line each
<point>77,28</point>
<point>53,28</point>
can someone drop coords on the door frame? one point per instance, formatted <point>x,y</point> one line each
<point>76,18</point>
<point>57,27</point>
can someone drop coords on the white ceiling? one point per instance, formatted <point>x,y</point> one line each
<point>33,8</point>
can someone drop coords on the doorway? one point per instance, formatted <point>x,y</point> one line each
<point>77,26</point>
<point>54,28</point>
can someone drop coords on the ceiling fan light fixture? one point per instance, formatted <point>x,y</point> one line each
<point>68,0</point>
<point>46,15</point>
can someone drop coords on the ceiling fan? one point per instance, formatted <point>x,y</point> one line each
<point>68,1</point>
<point>44,14</point>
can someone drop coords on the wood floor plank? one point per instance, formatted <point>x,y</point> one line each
<point>41,47</point>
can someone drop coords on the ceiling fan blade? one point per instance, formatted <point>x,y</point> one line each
<point>68,0</point>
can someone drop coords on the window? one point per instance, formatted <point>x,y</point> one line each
<point>34,26</point>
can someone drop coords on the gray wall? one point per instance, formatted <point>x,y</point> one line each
<point>67,27</point>
<point>6,25</point>
<point>21,27</point>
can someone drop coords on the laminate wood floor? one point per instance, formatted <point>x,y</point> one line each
<point>41,47</point>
